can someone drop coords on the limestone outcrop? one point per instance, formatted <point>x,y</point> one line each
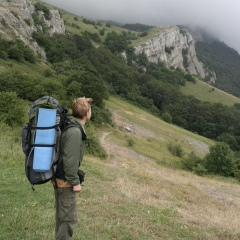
<point>174,47</point>
<point>19,18</point>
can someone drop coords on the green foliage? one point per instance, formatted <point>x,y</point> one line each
<point>190,78</point>
<point>130,52</point>
<point>94,36</point>
<point>137,27</point>
<point>48,73</point>
<point>142,59</point>
<point>220,160</point>
<point>74,89</point>
<point>39,22</point>
<point>185,58</point>
<point>167,117</point>
<point>16,53</point>
<point>224,61</point>
<point>93,145</point>
<point>40,7</point>
<point>3,22</point>
<point>29,55</point>
<point>176,149</point>
<point>27,21</point>
<point>16,50</point>
<point>14,14</point>
<point>60,48</point>
<point>232,141</point>
<point>130,142</point>
<point>25,86</point>
<point>101,116</point>
<point>116,42</point>
<point>52,87</point>
<point>91,86</point>
<point>194,163</point>
<point>168,50</point>
<point>102,32</point>
<point>11,110</point>
<point>87,21</point>
<point>144,34</point>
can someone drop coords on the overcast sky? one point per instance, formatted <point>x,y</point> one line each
<point>220,17</point>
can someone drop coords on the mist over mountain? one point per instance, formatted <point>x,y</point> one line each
<point>219,17</point>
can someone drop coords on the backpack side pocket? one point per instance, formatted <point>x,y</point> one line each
<point>25,138</point>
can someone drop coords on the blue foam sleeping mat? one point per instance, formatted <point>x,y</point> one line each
<point>42,158</point>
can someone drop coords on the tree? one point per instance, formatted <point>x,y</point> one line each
<point>167,117</point>
<point>74,89</point>
<point>16,53</point>
<point>116,42</point>
<point>220,160</point>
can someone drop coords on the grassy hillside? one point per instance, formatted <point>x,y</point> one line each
<point>75,24</point>
<point>206,92</point>
<point>129,195</point>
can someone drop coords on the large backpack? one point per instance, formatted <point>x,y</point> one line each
<point>41,139</point>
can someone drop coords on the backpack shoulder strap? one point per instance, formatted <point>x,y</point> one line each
<point>71,124</point>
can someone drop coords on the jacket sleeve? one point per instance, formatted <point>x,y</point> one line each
<point>71,152</point>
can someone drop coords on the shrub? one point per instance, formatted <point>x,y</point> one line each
<point>101,115</point>
<point>16,53</point>
<point>94,147</point>
<point>143,34</point>
<point>11,110</point>
<point>27,21</point>
<point>175,149</point>
<point>48,73</point>
<point>200,170</point>
<point>194,163</point>
<point>40,7</point>
<point>220,160</point>
<point>29,55</point>
<point>190,78</point>
<point>167,117</point>
<point>168,50</point>
<point>130,142</point>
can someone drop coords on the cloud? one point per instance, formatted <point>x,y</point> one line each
<point>220,17</point>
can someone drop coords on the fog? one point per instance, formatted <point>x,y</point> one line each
<point>220,17</point>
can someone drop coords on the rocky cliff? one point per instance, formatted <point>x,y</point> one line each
<point>20,18</point>
<point>174,47</point>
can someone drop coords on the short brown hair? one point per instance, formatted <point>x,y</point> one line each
<point>81,106</point>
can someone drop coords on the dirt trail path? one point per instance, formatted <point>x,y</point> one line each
<point>140,132</point>
<point>115,150</point>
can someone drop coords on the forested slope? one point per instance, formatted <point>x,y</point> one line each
<point>225,61</point>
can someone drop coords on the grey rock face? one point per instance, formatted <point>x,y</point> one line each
<point>173,48</point>
<point>16,20</point>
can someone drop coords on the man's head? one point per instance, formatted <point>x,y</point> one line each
<point>81,108</point>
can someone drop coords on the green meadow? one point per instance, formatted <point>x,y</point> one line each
<point>208,93</point>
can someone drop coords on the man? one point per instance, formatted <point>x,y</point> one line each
<point>68,183</point>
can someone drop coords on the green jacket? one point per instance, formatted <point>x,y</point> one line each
<point>72,151</point>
